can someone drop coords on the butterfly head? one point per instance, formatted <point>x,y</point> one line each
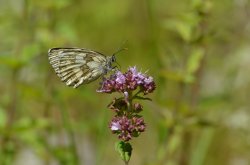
<point>113,59</point>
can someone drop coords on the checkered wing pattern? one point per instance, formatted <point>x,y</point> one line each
<point>76,66</point>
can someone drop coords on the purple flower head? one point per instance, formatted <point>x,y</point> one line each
<point>128,81</point>
<point>148,80</point>
<point>120,78</point>
<point>115,126</point>
<point>126,128</point>
<point>148,85</point>
<point>133,70</point>
<point>107,86</point>
<point>136,76</point>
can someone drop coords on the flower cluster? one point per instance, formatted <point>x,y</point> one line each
<point>128,81</point>
<point>127,123</point>
<point>126,128</point>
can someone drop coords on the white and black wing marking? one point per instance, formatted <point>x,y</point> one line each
<point>76,66</point>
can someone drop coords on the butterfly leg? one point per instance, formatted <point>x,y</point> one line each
<point>103,79</point>
<point>115,69</point>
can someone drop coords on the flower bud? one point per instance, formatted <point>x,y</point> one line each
<point>137,107</point>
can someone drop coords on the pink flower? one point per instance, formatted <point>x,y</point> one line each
<point>128,81</point>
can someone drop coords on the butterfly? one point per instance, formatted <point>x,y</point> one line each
<point>76,66</point>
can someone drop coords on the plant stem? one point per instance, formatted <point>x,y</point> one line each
<point>129,101</point>
<point>70,132</point>
<point>6,152</point>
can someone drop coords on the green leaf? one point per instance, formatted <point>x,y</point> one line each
<point>172,75</point>
<point>142,98</point>
<point>10,61</point>
<point>174,142</point>
<point>194,60</point>
<point>185,26</point>
<point>193,64</point>
<point>202,6</point>
<point>181,27</point>
<point>198,154</point>
<point>124,149</point>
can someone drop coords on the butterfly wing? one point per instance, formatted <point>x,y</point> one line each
<point>76,66</point>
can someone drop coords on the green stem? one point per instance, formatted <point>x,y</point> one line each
<point>70,132</point>
<point>129,101</point>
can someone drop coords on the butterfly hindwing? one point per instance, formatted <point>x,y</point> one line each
<point>76,66</point>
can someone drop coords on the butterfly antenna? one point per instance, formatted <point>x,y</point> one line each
<point>121,48</point>
<point>118,51</point>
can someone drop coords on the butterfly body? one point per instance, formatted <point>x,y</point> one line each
<point>76,66</point>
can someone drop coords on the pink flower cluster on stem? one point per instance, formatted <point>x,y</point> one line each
<point>127,123</point>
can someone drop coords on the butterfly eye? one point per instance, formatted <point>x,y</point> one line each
<point>113,58</point>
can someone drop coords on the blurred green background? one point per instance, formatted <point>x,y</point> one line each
<point>197,51</point>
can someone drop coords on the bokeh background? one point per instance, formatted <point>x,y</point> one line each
<point>197,51</point>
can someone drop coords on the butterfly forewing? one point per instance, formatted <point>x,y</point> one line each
<point>76,66</point>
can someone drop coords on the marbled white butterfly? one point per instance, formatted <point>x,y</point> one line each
<point>76,66</point>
